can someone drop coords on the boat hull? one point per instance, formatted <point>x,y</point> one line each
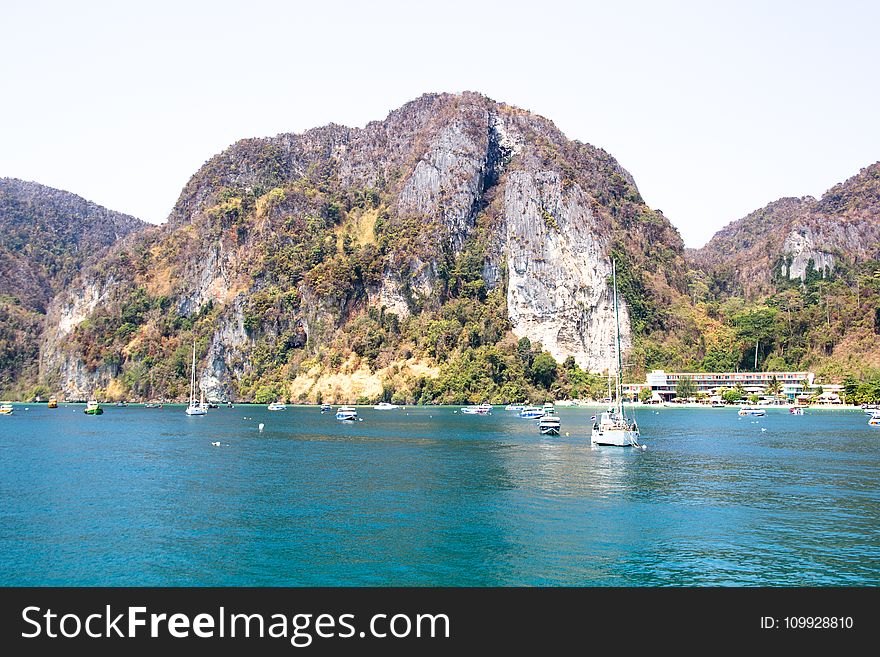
<point>94,411</point>
<point>615,438</point>
<point>196,411</point>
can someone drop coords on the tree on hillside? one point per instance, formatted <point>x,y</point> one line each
<point>543,369</point>
<point>755,328</point>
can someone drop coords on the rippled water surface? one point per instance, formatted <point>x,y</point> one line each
<point>428,496</point>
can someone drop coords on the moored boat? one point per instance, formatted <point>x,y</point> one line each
<point>53,403</point>
<point>751,411</point>
<point>347,413</point>
<point>613,427</point>
<point>549,425</point>
<point>93,408</point>
<point>385,406</point>
<point>482,409</point>
<point>326,408</point>
<point>532,413</point>
<point>796,410</point>
<point>195,407</point>
<point>5,408</point>
<point>276,406</point>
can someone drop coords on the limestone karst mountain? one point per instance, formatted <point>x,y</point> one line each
<point>400,258</point>
<point>789,237</point>
<point>459,250</point>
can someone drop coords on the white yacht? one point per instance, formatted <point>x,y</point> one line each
<point>549,425</point>
<point>482,409</point>
<point>194,407</point>
<point>385,406</point>
<point>613,427</point>
<point>347,414</point>
<point>276,406</point>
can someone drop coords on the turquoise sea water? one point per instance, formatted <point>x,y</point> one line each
<point>428,496</point>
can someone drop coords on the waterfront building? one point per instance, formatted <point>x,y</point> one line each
<point>663,383</point>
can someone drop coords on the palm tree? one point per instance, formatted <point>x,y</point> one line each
<point>805,386</point>
<point>774,387</point>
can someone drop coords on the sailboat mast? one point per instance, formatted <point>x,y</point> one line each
<point>192,381</point>
<point>617,325</point>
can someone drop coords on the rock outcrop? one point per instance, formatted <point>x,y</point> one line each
<point>790,236</point>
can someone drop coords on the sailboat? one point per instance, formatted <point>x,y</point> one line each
<point>195,408</point>
<point>613,427</point>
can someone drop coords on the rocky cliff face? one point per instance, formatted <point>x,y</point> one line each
<point>790,237</point>
<point>46,237</point>
<point>300,252</point>
<point>556,254</point>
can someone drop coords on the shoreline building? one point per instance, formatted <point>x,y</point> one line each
<point>662,384</point>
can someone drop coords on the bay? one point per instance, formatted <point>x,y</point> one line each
<point>426,496</point>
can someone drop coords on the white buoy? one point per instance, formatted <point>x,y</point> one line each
<point>261,426</point>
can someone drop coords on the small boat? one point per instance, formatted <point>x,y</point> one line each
<point>613,428</point>
<point>346,413</point>
<point>53,403</point>
<point>385,406</point>
<point>213,405</point>
<point>514,407</point>
<point>796,410</point>
<point>717,404</point>
<point>152,405</point>
<point>93,408</point>
<point>194,407</point>
<point>549,425</point>
<point>482,409</point>
<point>532,413</point>
<point>751,411</point>
<point>326,408</point>
<point>6,409</point>
<point>874,421</point>
<point>276,406</point>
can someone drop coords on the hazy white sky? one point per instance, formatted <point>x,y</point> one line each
<point>716,108</point>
